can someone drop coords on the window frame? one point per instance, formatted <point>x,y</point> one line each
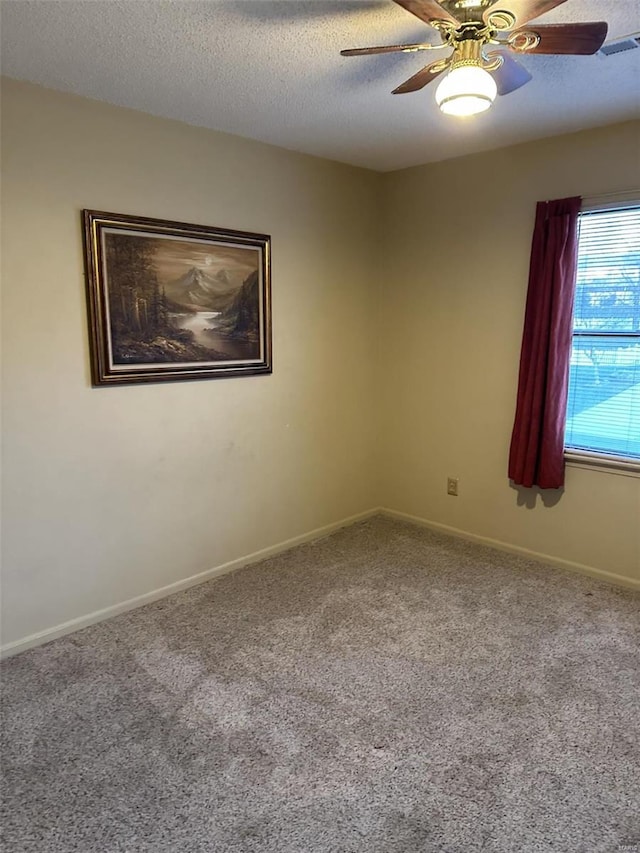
<point>591,459</point>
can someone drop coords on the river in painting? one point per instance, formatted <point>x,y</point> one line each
<point>202,324</point>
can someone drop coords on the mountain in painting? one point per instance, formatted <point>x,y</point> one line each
<point>196,290</point>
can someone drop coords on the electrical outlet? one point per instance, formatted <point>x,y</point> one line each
<point>452,486</point>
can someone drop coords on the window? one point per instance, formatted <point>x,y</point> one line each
<point>603,412</point>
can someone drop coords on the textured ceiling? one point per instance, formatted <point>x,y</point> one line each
<point>272,71</point>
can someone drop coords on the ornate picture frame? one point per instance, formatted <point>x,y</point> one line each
<point>169,300</point>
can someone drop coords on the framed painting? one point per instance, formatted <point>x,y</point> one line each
<point>170,301</point>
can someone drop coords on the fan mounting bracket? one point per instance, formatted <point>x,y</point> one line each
<point>523,40</point>
<point>474,32</point>
<point>501,19</point>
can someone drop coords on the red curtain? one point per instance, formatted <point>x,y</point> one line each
<point>536,457</point>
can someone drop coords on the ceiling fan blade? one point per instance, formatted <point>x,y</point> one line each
<point>577,39</point>
<point>510,75</point>
<point>394,48</point>
<point>422,78</point>
<point>427,10</point>
<point>522,10</point>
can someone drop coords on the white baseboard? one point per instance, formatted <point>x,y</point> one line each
<point>580,568</point>
<point>73,625</point>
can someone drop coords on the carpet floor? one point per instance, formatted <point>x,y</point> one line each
<point>384,690</point>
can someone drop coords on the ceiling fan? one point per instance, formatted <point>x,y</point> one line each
<point>482,36</point>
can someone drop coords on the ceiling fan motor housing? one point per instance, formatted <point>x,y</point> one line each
<point>468,41</point>
<point>468,48</point>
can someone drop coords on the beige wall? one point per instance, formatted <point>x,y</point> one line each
<point>458,237</point>
<point>113,492</point>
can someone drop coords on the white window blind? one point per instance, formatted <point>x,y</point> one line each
<point>603,412</point>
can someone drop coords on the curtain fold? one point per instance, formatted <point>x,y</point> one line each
<point>536,457</point>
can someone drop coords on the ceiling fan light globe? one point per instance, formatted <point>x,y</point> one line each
<point>465,105</point>
<point>466,90</point>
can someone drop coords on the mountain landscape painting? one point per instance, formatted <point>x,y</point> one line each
<point>184,301</point>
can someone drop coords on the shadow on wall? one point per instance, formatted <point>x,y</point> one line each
<point>529,497</point>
